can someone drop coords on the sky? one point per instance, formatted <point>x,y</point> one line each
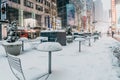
<point>106,4</point>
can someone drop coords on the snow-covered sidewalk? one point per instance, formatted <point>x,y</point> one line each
<point>94,62</point>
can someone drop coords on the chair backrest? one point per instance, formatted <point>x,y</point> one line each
<point>15,66</point>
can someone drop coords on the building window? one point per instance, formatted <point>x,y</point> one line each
<point>54,1</point>
<point>47,3</point>
<point>13,14</point>
<point>46,20</point>
<point>39,20</point>
<point>40,1</point>
<point>28,4</point>
<point>16,1</point>
<point>39,8</point>
<point>47,10</point>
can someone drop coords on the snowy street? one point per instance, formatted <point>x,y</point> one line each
<point>95,62</point>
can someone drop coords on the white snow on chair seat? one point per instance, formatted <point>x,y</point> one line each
<point>49,46</point>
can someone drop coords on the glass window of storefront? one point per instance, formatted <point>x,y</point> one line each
<point>16,1</point>
<point>38,20</point>
<point>13,14</point>
<point>40,1</point>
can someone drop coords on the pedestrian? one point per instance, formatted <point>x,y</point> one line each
<point>118,32</point>
<point>113,33</point>
<point>108,33</point>
<point>100,34</point>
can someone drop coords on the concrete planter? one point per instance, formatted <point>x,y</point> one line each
<point>13,48</point>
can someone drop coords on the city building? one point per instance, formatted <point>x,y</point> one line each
<point>61,8</point>
<point>98,10</point>
<point>31,15</point>
<point>90,16</point>
<point>113,15</point>
<point>117,14</point>
<point>70,13</point>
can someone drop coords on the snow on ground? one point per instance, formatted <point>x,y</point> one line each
<point>95,62</point>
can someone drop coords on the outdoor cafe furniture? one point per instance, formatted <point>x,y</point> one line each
<point>89,39</point>
<point>42,39</point>
<point>69,38</point>
<point>21,73</point>
<point>55,36</point>
<point>49,47</point>
<point>80,40</point>
<point>35,42</point>
<point>23,39</point>
<point>95,37</point>
<point>12,48</point>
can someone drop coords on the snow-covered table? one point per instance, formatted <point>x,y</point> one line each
<point>69,38</point>
<point>95,37</point>
<point>49,47</point>
<point>80,40</point>
<point>12,48</point>
<point>89,38</point>
<point>23,39</point>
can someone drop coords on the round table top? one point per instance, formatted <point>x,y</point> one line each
<point>95,36</point>
<point>49,46</point>
<point>79,39</point>
<point>69,36</point>
<point>89,37</point>
<point>23,39</point>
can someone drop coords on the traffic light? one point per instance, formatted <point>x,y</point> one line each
<point>3,9</point>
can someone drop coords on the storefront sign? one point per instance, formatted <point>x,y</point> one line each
<point>70,14</point>
<point>118,15</point>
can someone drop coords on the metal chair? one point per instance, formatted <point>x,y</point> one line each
<point>16,68</point>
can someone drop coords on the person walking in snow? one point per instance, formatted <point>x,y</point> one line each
<point>113,33</point>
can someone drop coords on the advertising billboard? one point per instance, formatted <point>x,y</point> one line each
<point>118,15</point>
<point>70,14</point>
<point>113,12</point>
